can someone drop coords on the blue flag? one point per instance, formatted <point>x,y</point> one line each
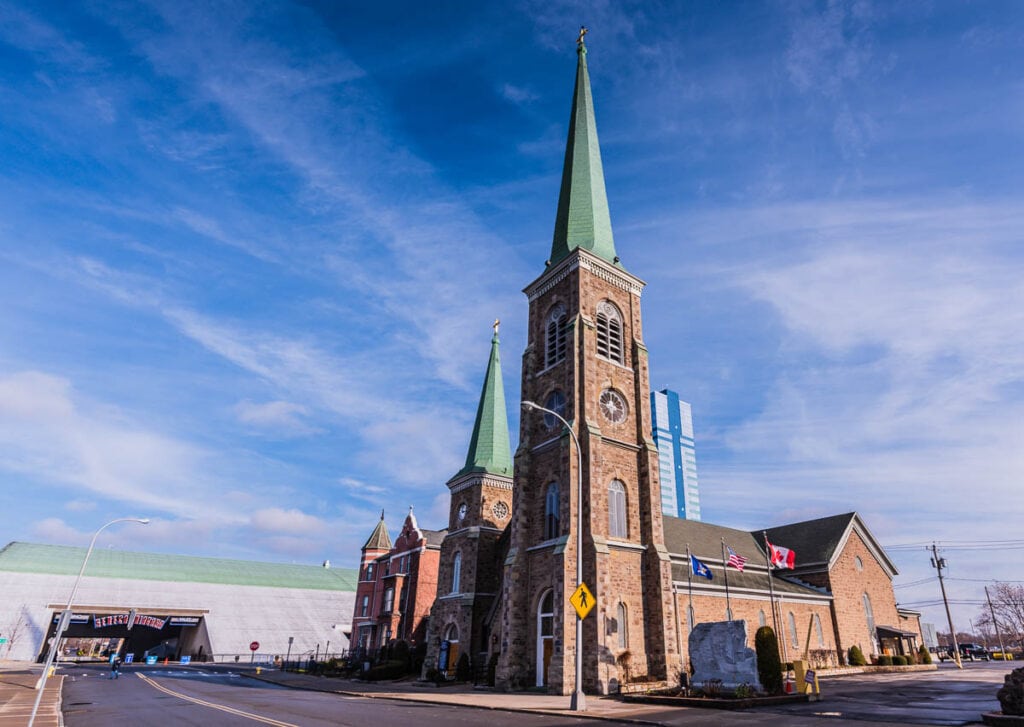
<point>699,569</point>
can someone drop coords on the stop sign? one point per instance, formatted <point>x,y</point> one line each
<point>254,645</point>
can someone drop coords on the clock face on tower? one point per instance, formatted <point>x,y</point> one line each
<point>463,509</point>
<point>613,406</point>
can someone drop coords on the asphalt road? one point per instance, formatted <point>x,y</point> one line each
<point>948,696</point>
<point>159,697</point>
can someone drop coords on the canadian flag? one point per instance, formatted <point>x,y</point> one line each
<point>781,557</point>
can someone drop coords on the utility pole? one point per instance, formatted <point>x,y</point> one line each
<point>940,563</point>
<point>995,624</point>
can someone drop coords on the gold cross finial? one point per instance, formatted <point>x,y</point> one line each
<point>497,322</point>
<point>583,31</point>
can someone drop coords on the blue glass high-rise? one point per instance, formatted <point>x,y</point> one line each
<point>672,424</point>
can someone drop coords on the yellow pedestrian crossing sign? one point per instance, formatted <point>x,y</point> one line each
<point>582,600</point>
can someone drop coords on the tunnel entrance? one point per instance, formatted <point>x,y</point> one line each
<point>131,635</point>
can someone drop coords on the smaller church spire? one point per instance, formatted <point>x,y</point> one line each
<point>489,449</point>
<point>379,538</point>
<point>583,219</point>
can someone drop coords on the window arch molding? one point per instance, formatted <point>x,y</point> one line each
<point>552,511</point>
<point>456,572</point>
<point>609,332</point>
<point>617,526</point>
<point>621,615</point>
<point>555,336</point>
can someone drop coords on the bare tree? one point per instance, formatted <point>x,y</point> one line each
<point>1008,604</point>
<point>12,633</point>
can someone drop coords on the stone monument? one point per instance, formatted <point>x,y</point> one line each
<point>719,652</point>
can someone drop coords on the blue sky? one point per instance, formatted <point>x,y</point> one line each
<point>250,255</point>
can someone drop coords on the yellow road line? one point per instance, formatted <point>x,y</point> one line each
<point>212,705</point>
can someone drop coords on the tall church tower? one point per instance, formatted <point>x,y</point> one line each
<point>585,358</point>
<point>480,509</point>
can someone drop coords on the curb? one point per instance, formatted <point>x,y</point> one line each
<point>621,719</point>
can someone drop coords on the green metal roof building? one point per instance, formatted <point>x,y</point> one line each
<point>204,607</point>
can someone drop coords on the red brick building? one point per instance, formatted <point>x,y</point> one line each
<point>397,585</point>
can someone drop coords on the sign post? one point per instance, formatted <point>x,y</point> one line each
<point>252,647</point>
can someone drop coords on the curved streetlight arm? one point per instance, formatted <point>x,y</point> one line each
<point>65,615</point>
<point>578,701</point>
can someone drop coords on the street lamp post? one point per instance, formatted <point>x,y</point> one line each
<point>578,702</point>
<point>65,616</point>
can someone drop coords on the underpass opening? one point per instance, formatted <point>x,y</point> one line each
<point>133,635</point>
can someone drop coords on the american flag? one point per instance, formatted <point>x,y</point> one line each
<point>736,561</point>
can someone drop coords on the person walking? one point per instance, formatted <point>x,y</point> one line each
<point>115,666</point>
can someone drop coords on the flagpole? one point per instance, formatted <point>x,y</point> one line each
<point>689,586</point>
<point>725,569</point>
<point>771,587</point>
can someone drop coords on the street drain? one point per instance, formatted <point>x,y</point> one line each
<point>79,704</point>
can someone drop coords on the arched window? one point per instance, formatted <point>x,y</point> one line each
<point>793,638</point>
<point>456,572</point>
<point>552,510</point>
<point>870,616</point>
<point>609,331</point>
<point>555,402</point>
<point>820,632</point>
<point>554,336</point>
<point>617,510</point>
<point>761,619</point>
<point>620,616</point>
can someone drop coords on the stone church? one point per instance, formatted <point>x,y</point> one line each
<point>508,559</point>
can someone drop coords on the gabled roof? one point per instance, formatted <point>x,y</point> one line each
<point>818,543</point>
<point>379,538</point>
<point>64,560</point>
<point>489,449</point>
<point>705,542</point>
<point>583,219</point>
<point>434,537</point>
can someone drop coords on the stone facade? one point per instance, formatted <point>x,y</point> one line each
<point>481,505</point>
<point>632,567</point>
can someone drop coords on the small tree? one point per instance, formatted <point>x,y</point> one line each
<point>923,655</point>
<point>769,666</point>
<point>856,657</point>
<point>462,671</point>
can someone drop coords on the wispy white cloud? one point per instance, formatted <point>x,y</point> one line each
<point>46,432</point>
<point>517,94</point>
<point>281,416</point>
<point>288,522</point>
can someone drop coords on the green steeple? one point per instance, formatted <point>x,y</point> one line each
<point>583,219</point>
<point>489,449</point>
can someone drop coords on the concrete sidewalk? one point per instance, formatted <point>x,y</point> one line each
<point>18,694</point>
<point>598,708</point>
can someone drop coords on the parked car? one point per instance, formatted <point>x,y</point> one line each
<point>968,652</point>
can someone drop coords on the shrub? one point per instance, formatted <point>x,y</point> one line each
<point>1011,694</point>
<point>743,691</point>
<point>462,671</point>
<point>856,657</point>
<point>923,655</point>
<point>885,660</point>
<point>400,651</point>
<point>899,660</point>
<point>492,669</point>
<point>769,666</point>
<point>391,669</point>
